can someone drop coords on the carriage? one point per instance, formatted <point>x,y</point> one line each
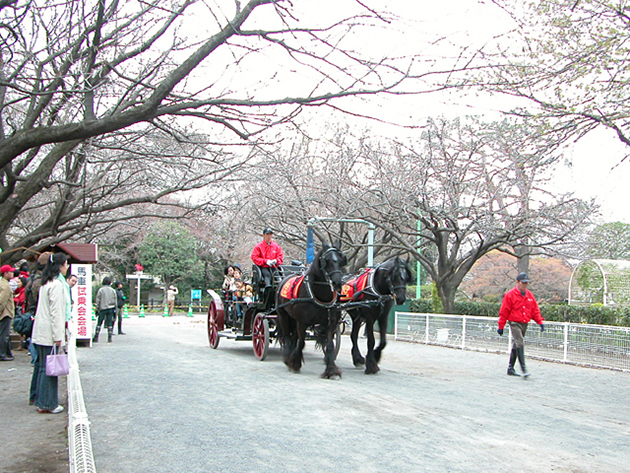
<point>304,303</point>
<point>254,320</point>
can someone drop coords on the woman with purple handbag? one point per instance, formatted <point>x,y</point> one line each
<point>49,331</point>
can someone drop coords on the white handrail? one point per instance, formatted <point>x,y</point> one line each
<point>81,458</point>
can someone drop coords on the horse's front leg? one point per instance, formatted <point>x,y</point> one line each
<point>357,359</point>
<point>371,366</point>
<point>332,370</point>
<point>382,328</point>
<point>296,358</point>
<point>286,335</point>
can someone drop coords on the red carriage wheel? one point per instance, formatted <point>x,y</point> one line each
<point>213,326</point>
<point>260,336</point>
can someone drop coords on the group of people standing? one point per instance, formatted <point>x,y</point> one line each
<point>47,299</point>
<point>109,306</point>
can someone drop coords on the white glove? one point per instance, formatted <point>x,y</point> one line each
<point>269,262</point>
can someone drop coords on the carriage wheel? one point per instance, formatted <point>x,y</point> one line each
<point>260,336</point>
<point>213,327</point>
<point>337,340</point>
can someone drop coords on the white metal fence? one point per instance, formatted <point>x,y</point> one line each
<point>600,346</point>
<point>81,459</point>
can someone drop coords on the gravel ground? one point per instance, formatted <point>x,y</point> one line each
<point>161,400</point>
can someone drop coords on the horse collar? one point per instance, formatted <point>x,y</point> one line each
<point>323,304</point>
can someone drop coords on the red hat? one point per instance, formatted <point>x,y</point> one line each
<point>7,268</point>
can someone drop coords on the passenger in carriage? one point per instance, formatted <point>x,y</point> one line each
<point>228,277</point>
<point>236,288</point>
<point>267,255</point>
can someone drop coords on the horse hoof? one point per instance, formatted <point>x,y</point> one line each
<point>335,375</point>
<point>358,362</point>
<point>372,370</point>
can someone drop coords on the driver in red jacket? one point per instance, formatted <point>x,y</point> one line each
<point>519,306</point>
<point>268,256</point>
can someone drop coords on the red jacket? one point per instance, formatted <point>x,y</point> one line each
<point>519,308</point>
<point>264,251</point>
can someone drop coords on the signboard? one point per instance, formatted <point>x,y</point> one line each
<point>81,323</point>
<point>195,294</point>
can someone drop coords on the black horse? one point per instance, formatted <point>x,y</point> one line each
<point>311,301</point>
<point>370,297</point>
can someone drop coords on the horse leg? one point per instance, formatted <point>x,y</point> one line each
<point>382,328</point>
<point>296,358</point>
<point>357,359</point>
<point>371,366</point>
<point>287,335</point>
<point>332,370</point>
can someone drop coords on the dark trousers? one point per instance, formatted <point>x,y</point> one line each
<point>108,316</point>
<point>5,338</point>
<point>46,392</point>
<point>267,274</point>
<point>119,314</point>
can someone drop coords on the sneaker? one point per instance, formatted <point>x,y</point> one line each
<point>56,410</point>
<point>512,372</point>
<point>7,358</point>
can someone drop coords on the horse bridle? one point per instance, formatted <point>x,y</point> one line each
<point>392,288</point>
<point>328,275</point>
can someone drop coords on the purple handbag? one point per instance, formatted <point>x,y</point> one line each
<point>57,363</point>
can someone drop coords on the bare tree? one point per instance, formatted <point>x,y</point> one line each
<point>470,198</point>
<point>568,59</point>
<point>81,77</point>
<point>309,178</point>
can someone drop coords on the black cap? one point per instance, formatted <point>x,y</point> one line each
<point>267,230</point>
<point>523,277</point>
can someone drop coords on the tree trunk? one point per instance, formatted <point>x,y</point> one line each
<point>447,295</point>
<point>522,253</point>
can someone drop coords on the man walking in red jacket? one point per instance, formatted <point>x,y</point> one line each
<point>518,308</point>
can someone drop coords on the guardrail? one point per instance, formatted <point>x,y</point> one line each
<point>81,459</point>
<point>597,346</point>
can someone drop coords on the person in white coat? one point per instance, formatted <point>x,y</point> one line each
<point>49,329</point>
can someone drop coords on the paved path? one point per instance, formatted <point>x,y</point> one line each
<point>160,400</point>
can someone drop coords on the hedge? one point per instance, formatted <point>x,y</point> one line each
<point>594,314</point>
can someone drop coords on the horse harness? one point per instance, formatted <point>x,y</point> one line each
<point>354,290</point>
<point>291,287</point>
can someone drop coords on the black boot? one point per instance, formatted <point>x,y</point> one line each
<point>96,333</point>
<point>120,332</point>
<point>521,360</point>
<point>513,355</point>
<point>110,332</point>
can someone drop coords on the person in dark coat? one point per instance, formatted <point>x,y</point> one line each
<point>120,303</point>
